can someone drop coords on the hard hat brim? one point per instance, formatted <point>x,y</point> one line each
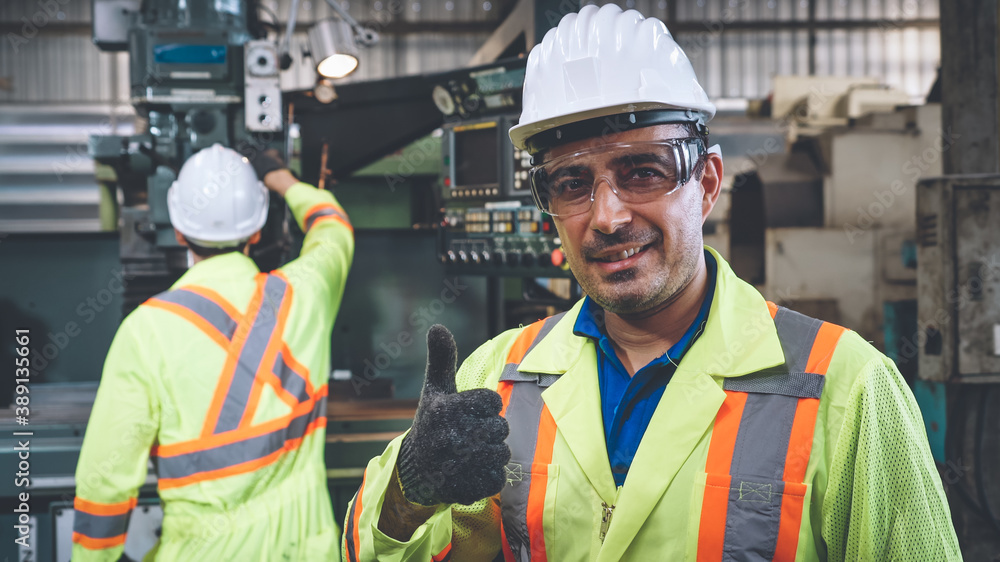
<point>522,135</point>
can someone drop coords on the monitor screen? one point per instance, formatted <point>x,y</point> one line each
<point>476,157</point>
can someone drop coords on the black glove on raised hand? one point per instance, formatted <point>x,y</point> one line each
<point>455,451</point>
<point>263,161</point>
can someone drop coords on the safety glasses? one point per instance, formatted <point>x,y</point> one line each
<point>637,172</point>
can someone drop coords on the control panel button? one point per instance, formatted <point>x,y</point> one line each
<point>558,258</point>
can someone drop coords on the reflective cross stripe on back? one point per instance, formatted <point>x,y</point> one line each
<point>256,355</point>
<point>531,438</point>
<point>760,447</point>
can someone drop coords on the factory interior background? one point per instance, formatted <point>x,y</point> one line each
<point>852,131</point>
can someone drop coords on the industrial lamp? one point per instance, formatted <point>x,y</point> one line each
<point>333,48</point>
<point>333,42</point>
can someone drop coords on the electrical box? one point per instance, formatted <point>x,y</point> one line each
<point>958,279</point>
<point>112,19</point>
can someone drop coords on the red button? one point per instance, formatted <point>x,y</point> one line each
<point>447,181</point>
<point>546,226</point>
<point>557,257</point>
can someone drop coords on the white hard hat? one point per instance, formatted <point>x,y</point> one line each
<point>217,200</point>
<point>603,62</point>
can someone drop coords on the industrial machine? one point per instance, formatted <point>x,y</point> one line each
<point>490,225</point>
<point>199,75</point>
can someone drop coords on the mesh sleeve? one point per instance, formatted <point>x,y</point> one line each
<point>884,499</point>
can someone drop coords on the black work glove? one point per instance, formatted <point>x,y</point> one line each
<point>263,161</point>
<point>455,451</point>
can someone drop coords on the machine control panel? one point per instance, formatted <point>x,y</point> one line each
<point>501,238</point>
<point>480,163</point>
<point>262,99</point>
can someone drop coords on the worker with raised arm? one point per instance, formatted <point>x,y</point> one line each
<point>221,381</point>
<point>672,413</point>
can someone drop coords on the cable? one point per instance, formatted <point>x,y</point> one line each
<point>270,12</point>
<point>284,48</point>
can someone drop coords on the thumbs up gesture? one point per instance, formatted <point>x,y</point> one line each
<point>455,451</point>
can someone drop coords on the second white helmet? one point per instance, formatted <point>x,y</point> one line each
<point>602,62</point>
<point>217,200</point>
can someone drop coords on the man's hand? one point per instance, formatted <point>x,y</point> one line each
<point>270,169</point>
<point>455,451</point>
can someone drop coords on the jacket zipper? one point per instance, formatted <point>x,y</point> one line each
<point>607,511</point>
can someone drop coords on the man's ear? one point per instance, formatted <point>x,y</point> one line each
<point>180,238</point>
<point>255,238</point>
<point>711,184</point>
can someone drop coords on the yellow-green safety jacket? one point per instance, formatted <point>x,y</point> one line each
<point>779,437</point>
<point>222,382</point>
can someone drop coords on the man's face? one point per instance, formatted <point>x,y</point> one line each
<point>631,258</point>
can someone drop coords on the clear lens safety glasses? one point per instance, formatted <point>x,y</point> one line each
<point>637,173</point>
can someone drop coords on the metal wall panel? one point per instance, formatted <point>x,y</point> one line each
<point>61,65</point>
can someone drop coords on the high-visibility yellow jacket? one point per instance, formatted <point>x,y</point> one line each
<point>751,454</point>
<point>222,382</point>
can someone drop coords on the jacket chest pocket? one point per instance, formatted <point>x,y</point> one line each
<point>747,518</point>
<point>526,499</point>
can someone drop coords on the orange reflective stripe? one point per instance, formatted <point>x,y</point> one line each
<point>357,514</point>
<point>321,207</point>
<point>199,322</point>
<point>267,361</point>
<point>539,483</point>
<point>98,544</point>
<point>107,509</point>
<point>801,439</point>
<point>727,425</point>
<point>324,211</point>
<point>523,343</point>
<point>791,519</point>
<point>445,554</point>
<point>823,348</point>
<point>239,339</point>
<point>217,299</point>
<point>334,218</point>
<point>772,308</point>
<point>241,468</point>
<point>715,503</point>
<point>504,389</point>
<point>712,529</point>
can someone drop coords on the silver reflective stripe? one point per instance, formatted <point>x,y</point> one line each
<point>797,332</point>
<point>523,413</point>
<point>547,326</point>
<point>524,410</point>
<point>232,454</point>
<point>324,212</point>
<point>203,307</point>
<point>261,332</point>
<point>753,515</point>
<point>511,374</point>
<point>100,526</point>
<point>293,383</point>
